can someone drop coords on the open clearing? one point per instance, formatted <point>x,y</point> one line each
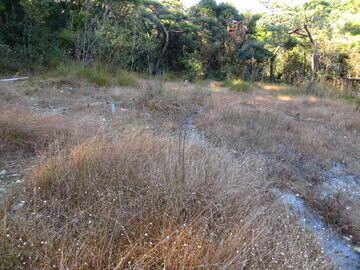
<point>82,188</point>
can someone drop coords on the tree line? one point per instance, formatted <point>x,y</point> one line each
<point>288,43</point>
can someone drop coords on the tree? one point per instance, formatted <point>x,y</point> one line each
<point>165,20</point>
<point>253,53</point>
<point>273,29</point>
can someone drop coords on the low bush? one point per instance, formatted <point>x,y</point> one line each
<point>96,73</point>
<point>237,85</point>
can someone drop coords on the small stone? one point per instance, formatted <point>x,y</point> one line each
<point>3,190</point>
<point>3,172</point>
<point>19,205</point>
<point>346,238</point>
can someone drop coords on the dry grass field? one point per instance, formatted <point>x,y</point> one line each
<point>95,190</point>
<point>301,136</point>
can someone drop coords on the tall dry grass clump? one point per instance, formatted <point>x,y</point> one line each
<point>173,104</point>
<point>121,203</point>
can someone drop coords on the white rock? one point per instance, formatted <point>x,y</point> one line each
<point>4,190</point>
<point>3,172</point>
<point>19,205</point>
<point>347,238</point>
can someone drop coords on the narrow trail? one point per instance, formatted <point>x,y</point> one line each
<point>10,176</point>
<point>341,251</point>
<point>190,129</point>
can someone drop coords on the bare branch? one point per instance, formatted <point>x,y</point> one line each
<point>308,32</point>
<point>297,31</point>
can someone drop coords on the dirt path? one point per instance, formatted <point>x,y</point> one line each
<point>11,176</point>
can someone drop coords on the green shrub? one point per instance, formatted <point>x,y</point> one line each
<point>96,73</point>
<point>320,90</point>
<point>237,85</point>
<point>9,60</point>
<point>125,78</point>
<point>217,75</point>
<point>346,96</point>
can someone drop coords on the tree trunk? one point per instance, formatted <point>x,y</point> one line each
<point>313,60</point>
<point>157,66</point>
<point>106,9</point>
<point>132,53</point>
<point>272,77</point>
<point>272,62</point>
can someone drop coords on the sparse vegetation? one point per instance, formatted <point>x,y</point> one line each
<point>301,135</point>
<point>144,134</point>
<point>172,103</point>
<point>117,191</point>
<point>320,90</point>
<point>19,132</point>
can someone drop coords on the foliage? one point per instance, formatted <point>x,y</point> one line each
<point>208,40</point>
<point>96,73</point>
<point>237,85</point>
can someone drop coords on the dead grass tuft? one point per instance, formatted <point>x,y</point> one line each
<point>120,202</point>
<point>174,103</point>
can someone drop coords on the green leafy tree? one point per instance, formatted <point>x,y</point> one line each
<point>273,30</point>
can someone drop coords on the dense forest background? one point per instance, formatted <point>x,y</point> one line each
<point>207,40</point>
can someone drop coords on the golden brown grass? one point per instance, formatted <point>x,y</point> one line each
<point>301,137</point>
<point>110,192</point>
<point>120,203</point>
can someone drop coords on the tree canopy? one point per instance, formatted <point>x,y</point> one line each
<point>207,40</point>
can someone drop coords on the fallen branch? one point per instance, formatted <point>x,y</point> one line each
<point>14,79</point>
